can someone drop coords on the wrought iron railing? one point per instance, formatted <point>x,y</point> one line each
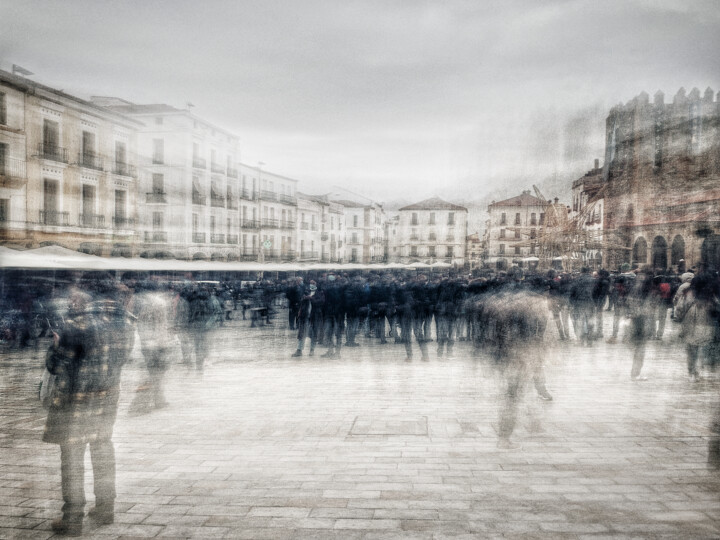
<point>156,197</point>
<point>156,236</point>
<point>91,220</point>
<point>90,160</point>
<point>52,217</point>
<point>53,152</point>
<point>198,237</point>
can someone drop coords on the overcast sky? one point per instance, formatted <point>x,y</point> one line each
<point>393,99</point>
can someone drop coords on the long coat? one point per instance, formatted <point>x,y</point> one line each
<point>88,360</point>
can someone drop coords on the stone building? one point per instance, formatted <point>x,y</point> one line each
<point>430,231</point>
<point>268,215</point>
<point>68,171</point>
<point>364,231</point>
<point>511,224</point>
<point>188,189</point>
<point>588,211</point>
<point>662,169</point>
<point>320,229</point>
<point>473,257</point>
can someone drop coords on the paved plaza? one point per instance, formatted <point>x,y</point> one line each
<point>370,446</point>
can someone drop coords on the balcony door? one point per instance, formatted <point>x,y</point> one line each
<point>88,146</point>
<point>120,207</point>
<point>88,203</point>
<point>51,136</point>
<point>50,198</point>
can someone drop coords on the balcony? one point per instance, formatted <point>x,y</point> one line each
<point>245,194</point>
<point>217,238</point>
<point>378,240</point>
<point>414,237</point>
<point>285,224</point>
<point>12,172</point>
<point>198,237</point>
<point>267,195</point>
<point>156,236</point>
<point>249,254</point>
<point>250,224</point>
<point>377,258</point>
<point>217,202</point>
<point>232,173</point>
<point>51,217</point>
<point>156,197</point>
<point>287,199</point>
<point>232,203</point>
<point>52,153</point>
<point>90,160</point>
<point>217,168</point>
<point>450,238</point>
<point>123,222</point>
<point>270,223</point>
<point>91,220</point>
<point>304,226</point>
<point>324,236</point>
<point>233,238</point>
<point>199,163</point>
<point>325,258</point>
<point>314,226</point>
<point>309,255</point>
<point>287,255</point>
<point>199,199</point>
<point>124,169</point>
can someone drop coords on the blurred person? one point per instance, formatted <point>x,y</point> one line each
<point>622,286</point>
<point>600,294</point>
<point>152,307</point>
<point>698,311</point>
<point>310,318</point>
<point>87,357</point>
<point>582,306</point>
<point>294,293</point>
<point>204,315</point>
<point>641,308</point>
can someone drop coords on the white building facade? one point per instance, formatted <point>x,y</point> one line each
<point>513,222</point>
<point>430,231</point>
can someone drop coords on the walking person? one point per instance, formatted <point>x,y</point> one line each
<point>641,308</point>
<point>152,307</point>
<point>87,357</point>
<point>696,311</point>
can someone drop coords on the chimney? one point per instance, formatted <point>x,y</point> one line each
<point>597,164</point>
<point>556,200</point>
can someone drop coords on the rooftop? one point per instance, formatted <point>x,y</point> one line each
<point>434,203</point>
<point>525,199</point>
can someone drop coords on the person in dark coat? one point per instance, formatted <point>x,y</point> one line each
<point>294,294</point>
<point>87,357</point>
<point>581,303</point>
<point>310,318</point>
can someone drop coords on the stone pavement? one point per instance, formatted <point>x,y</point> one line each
<point>372,447</point>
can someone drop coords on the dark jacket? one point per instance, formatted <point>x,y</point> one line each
<point>93,347</point>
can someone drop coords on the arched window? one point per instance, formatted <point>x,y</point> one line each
<point>677,251</point>
<point>659,253</point>
<point>639,253</point>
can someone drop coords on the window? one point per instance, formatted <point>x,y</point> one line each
<point>432,237</point>
<point>158,120</point>
<point>449,252</point>
<point>517,218</point>
<point>451,218</point>
<point>51,136</point>
<point>517,233</point>
<point>533,233</point>
<point>533,219</point>
<point>501,249</point>
<point>502,233</point>
<point>413,251</point>
<point>355,221</point>
<point>158,183</point>
<point>431,251</point>
<point>432,218</point>
<point>120,155</point>
<point>196,223</point>
<point>158,151</point>
<point>3,158</point>
<point>354,238</point>
<point>3,109</point>
<point>157,218</point>
<point>4,210</point>
<point>532,249</point>
<point>517,250</point>
<point>542,218</point>
<point>120,200</point>
<point>503,219</point>
<point>353,255</point>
